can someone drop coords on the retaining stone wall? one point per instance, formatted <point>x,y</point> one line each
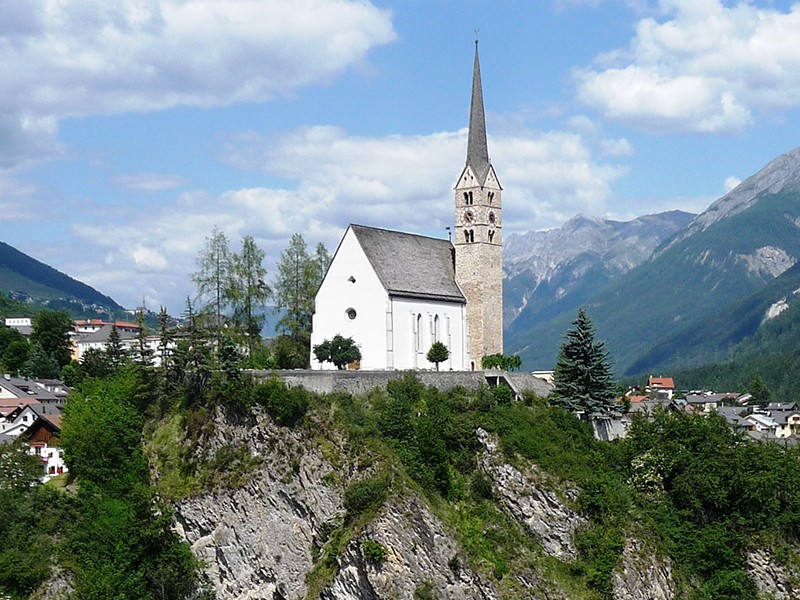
<point>359,382</point>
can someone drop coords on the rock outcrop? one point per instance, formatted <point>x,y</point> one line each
<point>522,495</point>
<point>420,555</point>
<point>258,541</point>
<point>772,577</point>
<point>641,575</point>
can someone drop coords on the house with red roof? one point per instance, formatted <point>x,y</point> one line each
<point>660,387</point>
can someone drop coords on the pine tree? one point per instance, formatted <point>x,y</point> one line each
<point>583,378</point>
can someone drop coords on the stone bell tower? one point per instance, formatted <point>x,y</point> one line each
<point>478,236</point>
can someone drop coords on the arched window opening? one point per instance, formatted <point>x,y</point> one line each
<point>471,236</point>
<point>491,197</point>
<point>436,336</point>
<point>466,198</point>
<point>418,333</point>
<point>470,198</point>
<point>491,235</point>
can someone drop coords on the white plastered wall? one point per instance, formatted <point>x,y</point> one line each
<point>412,342</point>
<point>365,294</point>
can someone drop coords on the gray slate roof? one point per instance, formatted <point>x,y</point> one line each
<point>102,335</point>
<point>411,266</point>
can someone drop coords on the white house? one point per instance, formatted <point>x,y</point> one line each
<point>395,294</point>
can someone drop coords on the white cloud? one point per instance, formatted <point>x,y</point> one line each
<point>80,57</point>
<point>704,67</point>
<point>730,183</point>
<point>398,182</point>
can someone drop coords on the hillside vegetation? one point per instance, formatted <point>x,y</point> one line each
<point>687,486</point>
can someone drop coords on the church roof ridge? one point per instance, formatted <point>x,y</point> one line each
<point>477,146</point>
<point>410,265</point>
<point>395,231</point>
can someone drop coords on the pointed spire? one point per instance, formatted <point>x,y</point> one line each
<point>477,148</point>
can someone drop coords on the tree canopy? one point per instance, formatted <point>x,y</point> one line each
<point>438,353</point>
<point>51,331</point>
<point>340,351</point>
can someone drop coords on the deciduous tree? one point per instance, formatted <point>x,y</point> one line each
<point>438,353</point>
<point>298,279</point>
<point>51,331</point>
<point>340,351</point>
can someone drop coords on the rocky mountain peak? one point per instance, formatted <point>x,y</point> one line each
<point>780,173</point>
<point>543,251</point>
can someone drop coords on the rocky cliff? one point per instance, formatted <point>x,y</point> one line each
<point>268,538</point>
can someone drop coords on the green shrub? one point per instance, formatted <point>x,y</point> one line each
<point>374,552</point>
<point>365,494</point>
<point>481,486</point>
<point>502,394</point>
<point>287,406</point>
<point>425,591</point>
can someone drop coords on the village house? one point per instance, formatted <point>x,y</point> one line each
<point>660,387</point>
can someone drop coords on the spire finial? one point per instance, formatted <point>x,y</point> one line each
<point>476,36</point>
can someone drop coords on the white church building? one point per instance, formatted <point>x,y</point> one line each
<point>395,293</point>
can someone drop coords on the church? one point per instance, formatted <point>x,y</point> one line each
<point>396,293</point>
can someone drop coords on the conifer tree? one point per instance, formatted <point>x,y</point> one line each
<point>249,291</point>
<point>583,378</point>
<point>213,275</point>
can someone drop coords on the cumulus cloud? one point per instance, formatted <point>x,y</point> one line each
<point>80,57</point>
<point>730,183</point>
<point>398,182</point>
<point>703,67</point>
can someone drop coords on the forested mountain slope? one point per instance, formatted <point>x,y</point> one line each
<point>25,277</point>
<point>651,316</point>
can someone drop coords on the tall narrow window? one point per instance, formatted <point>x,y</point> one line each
<point>466,198</point>
<point>418,334</point>
<point>491,235</point>
<point>470,198</point>
<point>436,329</point>
<point>491,196</point>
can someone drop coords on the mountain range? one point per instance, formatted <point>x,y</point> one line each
<point>702,291</point>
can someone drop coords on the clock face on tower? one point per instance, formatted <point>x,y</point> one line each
<point>467,217</point>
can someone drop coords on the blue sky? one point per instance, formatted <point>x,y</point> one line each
<point>130,128</point>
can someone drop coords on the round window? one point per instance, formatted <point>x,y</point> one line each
<point>351,313</point>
